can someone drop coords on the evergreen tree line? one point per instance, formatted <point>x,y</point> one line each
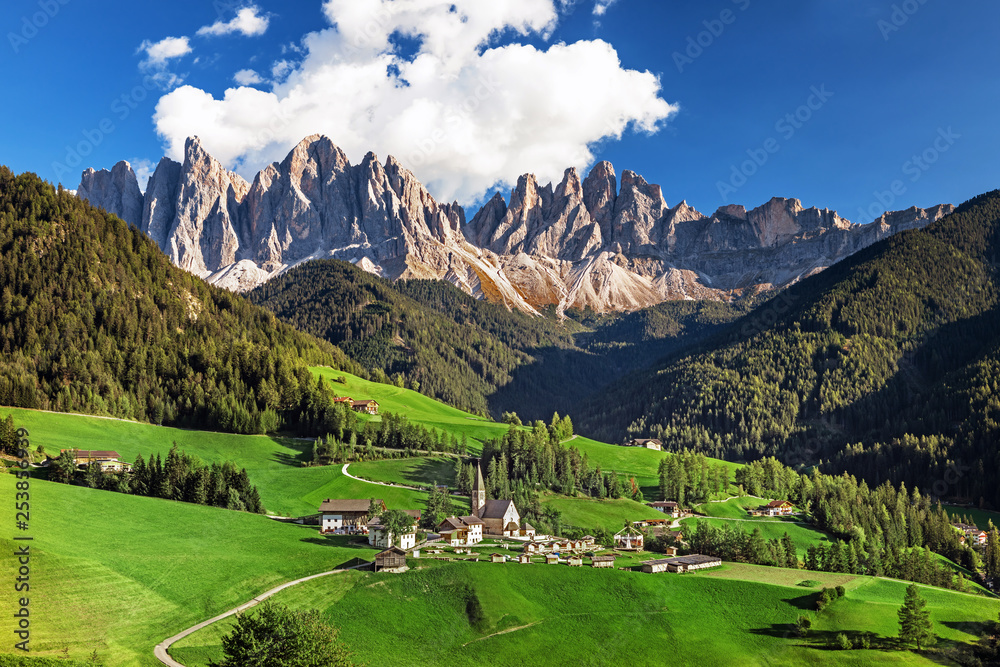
<point>95,319</point>
<point>177,477</point>
<point>689,477</point>
<point>877,523</point>
<point>884,366</point>
<point>534,457</point>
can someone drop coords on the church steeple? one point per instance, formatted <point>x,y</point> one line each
<point>478,497</point>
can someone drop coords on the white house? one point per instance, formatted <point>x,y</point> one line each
<point>461,531</point>
<point>379,537</point>
<point>345,517</point>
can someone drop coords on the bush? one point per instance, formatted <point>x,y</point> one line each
<point>843,642</point>
<point>803,626</point>
<point>841,591</point>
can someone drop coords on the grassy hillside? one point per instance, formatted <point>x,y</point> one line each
<point>94,318</point>
<point>273,464</point>
<point>884,365</point>
<point>119,573</point>
<point>735,615</point>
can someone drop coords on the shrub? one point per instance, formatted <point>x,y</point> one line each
<point>843,642</point>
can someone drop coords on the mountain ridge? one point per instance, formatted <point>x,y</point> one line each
<point>594,243</point>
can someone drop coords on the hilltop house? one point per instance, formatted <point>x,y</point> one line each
<point>378,536</point>
<point>109,461</point>
<point>345,517</point>
<point>647,443</point>
<point>461,531</point>
<point>777,508</point>
<point>369,406</point>
<point>668,507</point>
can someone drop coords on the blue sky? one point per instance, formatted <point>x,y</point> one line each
<point>873,85</point>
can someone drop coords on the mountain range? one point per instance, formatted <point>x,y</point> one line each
<point>596,243</point>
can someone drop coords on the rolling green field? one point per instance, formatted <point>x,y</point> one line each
<point>734,615</point>
<point>420,471</point>
<point>120,573</point>
<point>587,514</point>
<point>734,508</point>
<point>273,464</point>
<point>981,517</point>
<point>802,535</point>
<point>418,408</point>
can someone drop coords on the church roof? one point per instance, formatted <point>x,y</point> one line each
<point>495,509</point>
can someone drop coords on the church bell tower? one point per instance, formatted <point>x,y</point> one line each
<point>478,498</point>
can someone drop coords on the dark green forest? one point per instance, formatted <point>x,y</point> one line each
<point>95,319</point>
<point>474,354</point>
<point>885,366</point>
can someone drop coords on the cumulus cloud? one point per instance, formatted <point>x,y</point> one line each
<point>247,77</point>
<point>248,22</point>
<point>601,6</point>
<point>143,170</point>
<point>159,53</point>
<point>461,108</point>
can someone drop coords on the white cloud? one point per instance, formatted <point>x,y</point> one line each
<point>247,77</point>
<point>601,6</point>
<point>248,22</point>
<point>158,53</point>
<point>463,112</point>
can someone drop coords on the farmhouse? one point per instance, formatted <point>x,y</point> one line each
<point>371,407</point>
<point>681,564</point>
<point>602,561</point>
<point>378,536</point>
<point>588,541</point>
<point>345,517</point>
<point>973,535</point>
<point>392,559</point>
<point>461,531</point>
<point>647,443</point>
<point>777,508</point>
<point>668,507</point>
<point>109,461</point>
<point>628,539</point>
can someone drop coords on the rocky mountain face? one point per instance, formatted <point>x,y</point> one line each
<point>593,243</point>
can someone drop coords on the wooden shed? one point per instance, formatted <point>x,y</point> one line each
<point>524,558</point>
<point>575,561</point>
<point>603,561</point>
<point>498,558</point>
<point>390,559</point>
<point>551,559</point>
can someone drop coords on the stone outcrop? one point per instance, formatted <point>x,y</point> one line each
<point>594,243</point>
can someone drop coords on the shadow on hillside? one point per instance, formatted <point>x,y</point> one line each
<point>804,602</point>
<point>338,541</point>
<point>433,471</point>
<point>974,628</point>
<point>303,449</point>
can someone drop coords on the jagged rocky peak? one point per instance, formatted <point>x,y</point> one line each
<point>116,191</point>
<point>160,201</point>
<point>640,205</point>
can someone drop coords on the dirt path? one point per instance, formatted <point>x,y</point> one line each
<point>368,481</point>
<point>502,632</point>
<point>160,651</point>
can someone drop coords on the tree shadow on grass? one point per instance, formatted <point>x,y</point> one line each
<point>302,448</point>
<point>804,602</point>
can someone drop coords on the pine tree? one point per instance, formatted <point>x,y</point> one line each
<point>915,625</point>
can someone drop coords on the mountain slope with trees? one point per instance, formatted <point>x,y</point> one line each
<point>885,365</point>
<point>95,319</point>
<point>474,354</point>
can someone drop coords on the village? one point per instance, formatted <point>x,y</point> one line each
<point>494,532</point>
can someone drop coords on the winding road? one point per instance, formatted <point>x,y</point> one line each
<point>368,481</point>
<point>160,651</point>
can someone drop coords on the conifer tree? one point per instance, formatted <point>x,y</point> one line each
<point>915,625</point>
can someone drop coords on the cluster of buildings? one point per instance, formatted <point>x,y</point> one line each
<point>774,508</point>
<point>498,518</point>
<point>645,443</point>
<point>353,517</point>
<point>970,534</point>
<point>681,564</point>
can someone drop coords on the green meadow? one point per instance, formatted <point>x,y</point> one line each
<point>802,535</point>
<point>734,615</point>
<point>118,574</point>
<point>418,471</point>
<point>274,464</point>
<point>587,513</point>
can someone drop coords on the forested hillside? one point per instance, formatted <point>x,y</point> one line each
<point>885,365</point>
<point>95,319</point>
<point>474,354</point>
